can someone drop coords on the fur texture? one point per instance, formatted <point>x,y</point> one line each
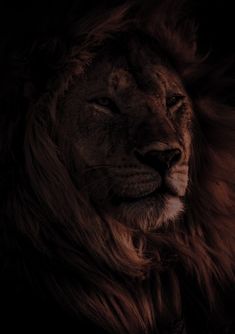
<point>125,280</point>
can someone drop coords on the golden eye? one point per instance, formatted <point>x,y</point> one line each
<point>103,102</point>
<point>106,103</point>
<point>174,100</point>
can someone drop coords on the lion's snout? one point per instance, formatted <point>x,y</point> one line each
<point>159,156</point>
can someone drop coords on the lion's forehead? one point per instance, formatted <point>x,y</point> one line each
<point>118,77</point>
<point>158,80</point>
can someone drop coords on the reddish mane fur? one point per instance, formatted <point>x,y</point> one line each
<point>125,289</point>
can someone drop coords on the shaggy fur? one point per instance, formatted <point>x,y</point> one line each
<point>124,280</point>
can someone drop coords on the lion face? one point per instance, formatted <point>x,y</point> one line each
<point>130,119</point>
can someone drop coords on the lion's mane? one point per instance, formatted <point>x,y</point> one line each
<point>125,280</point>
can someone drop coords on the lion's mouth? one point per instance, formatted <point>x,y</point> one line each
<point>158,194</point>
<point>144,207</point>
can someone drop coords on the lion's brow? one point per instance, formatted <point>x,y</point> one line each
<point>120,79</point>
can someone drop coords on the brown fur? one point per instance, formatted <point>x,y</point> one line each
<point>125,280</point>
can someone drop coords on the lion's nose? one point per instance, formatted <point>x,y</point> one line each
<point>159,157</point>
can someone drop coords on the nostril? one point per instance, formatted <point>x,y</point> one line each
<point>160,160</point>
<point>164,158</point>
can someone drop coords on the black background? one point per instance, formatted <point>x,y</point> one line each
<point>22,21</point>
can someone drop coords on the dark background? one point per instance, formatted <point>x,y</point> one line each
<point>22,21</point>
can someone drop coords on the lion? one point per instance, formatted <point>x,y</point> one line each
<point>117,190</point>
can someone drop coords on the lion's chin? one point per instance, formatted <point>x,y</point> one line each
<point>149,213</point>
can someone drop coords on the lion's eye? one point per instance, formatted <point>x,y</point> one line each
<point>174,100</point>
<point>105,103</point>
